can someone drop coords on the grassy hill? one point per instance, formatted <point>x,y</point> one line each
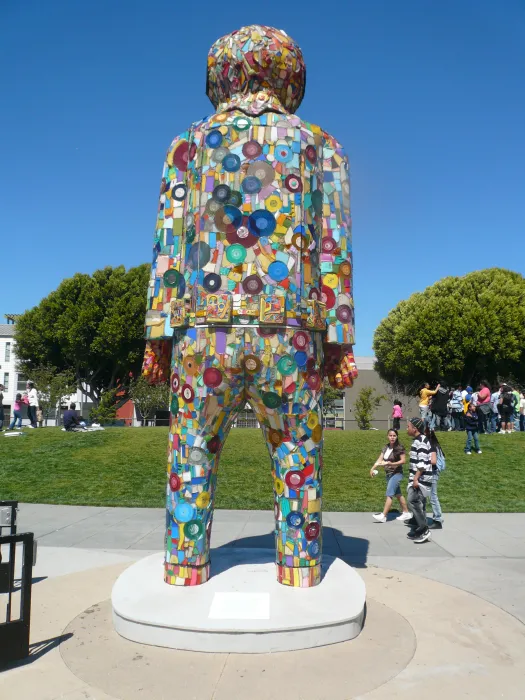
<point>126,467</point>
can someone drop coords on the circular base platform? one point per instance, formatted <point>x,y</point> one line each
<point>241,609</point>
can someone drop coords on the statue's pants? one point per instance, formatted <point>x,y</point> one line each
<point>215,372</point>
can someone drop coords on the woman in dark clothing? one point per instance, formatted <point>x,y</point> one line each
<point>392,458</point>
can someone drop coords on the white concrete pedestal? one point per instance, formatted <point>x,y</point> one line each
<point>241,609</point>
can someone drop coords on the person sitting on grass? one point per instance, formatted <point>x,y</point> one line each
<point>71,421</point>
<point>472,427</point>
<point>392,458</point>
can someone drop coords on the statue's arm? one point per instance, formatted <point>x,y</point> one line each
<point>336,264</point>
<point>166,281</point>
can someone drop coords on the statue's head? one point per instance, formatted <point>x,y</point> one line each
<point>259,65</point>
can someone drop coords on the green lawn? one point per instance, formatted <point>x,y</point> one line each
<point>126,467</point>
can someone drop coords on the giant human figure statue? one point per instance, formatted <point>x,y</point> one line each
<point>250,297</point>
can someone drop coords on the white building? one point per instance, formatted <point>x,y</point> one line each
<point>15,382</point>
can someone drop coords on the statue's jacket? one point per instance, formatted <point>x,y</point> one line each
<point>253,228</point>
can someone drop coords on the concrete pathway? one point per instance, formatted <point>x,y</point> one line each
<point>480,553</point>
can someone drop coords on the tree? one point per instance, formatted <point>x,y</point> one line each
<point>365,405</point>
<point>91,326</point>
<point>396,388</point>
<point>461,329</point>
<point>149,398</point>
<point>330,396</point>
<point>52,387</point>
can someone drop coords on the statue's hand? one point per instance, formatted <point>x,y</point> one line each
<point>340,365</point>
<point>156,363</point>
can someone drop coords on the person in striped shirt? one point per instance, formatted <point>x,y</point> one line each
<point>419,480</point>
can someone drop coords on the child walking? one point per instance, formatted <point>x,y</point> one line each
<point>17,412</point>
<point>472,427</point>
<point>397,414</point>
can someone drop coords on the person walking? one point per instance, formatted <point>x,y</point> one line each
<point>420,480</point>
<point>392,458</point>
<point>32,398</point>
<point>456,409</point>
<point>397,414</point>
<point>17,413</point>
<point>437,458</point>
<point>424,397</point>
<point>522,412</point>
<point>483,406</point>
<point>2,414</point>
<point>516,410</point>
<point>472,427</point>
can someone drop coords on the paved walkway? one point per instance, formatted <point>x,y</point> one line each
<point>480,553</point>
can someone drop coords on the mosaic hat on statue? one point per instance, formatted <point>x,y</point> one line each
<point>256,69</point>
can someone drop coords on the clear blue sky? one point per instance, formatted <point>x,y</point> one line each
<point>427,96</point>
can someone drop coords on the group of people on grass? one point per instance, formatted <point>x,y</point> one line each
<point>426,462</point>
<point>35,414</point>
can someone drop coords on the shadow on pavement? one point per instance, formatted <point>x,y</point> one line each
<point>36,650</point>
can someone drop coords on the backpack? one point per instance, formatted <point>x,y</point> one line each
<point>508,400</point>
<point>440,461</point>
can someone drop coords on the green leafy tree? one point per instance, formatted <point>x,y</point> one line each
<point>91,326</point>
<point>460,329</point>
<point>149,398</point>
<point>52,386</point>
<point>368,400</point>
<point>330,396</point>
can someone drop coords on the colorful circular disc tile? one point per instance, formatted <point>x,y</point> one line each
<point>344,313</point>
<point>314,381</point>
<point>328,296</point>
<point>278,271</point>
<point>236,254</point>
<point>312,420</point>
<point>283,153</point>
<point>214,444</point>
<point>317,433</point>
<point>262,223</point>
<point>293,184</point>
<point>301,358</point>
<point>314,294</point>
<point>271,400</point>
<point>252,364</point>
<point>251,185</point>
<point>311,154</point>
<point>242,123</point>
<point>228,219</point>
<point>286,365</point>
<point>331,280</point>
<point>252,149</point>
<point>198,456</point>
<point>295,520</point>
<point>174,405</point>
<point>235,198</point>
<point>172,278</point>
<point>212,282</point>
<point>184,512</point>
<point>219,154</point>
<point>252,285</point>
<point>187,393</point>
<point>231,163</point>
<point>179,192</point>
<point>294,480</point>
<point>328,245</point>
<point>312,531</point>
<point>203,500</point>
<point>278,486</point>
<point>263,171</point>
<point>300,340</point>
<point>190,365</point>
<point>175,382</point>
<point>174,482</point>
<point>243,236</point>
<point>199,255</point>
<point>275,437</point>
<point>221,193</point>
<point>214,139</point>
<point>313,549</point>
<point>273,203</point>
<point>345,268</point>
<point>194,529</point>
<point>181,155</point>
<point>212,377</point>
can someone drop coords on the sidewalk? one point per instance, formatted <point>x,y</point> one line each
<point>482,553</point>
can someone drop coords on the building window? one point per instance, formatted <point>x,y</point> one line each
<point>7,352</point>
<point>21,383</point>
<point>6,381</point>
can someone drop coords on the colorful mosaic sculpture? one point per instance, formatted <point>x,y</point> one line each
<point>251,287</point>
